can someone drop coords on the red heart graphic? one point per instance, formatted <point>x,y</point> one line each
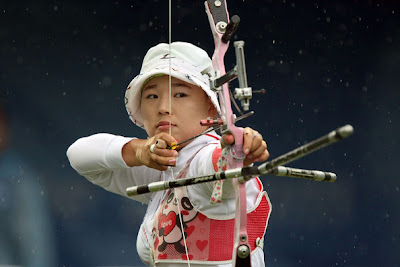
<point>190,230</point>
<point>201,244</point>
<point>162,256</point>
<point>202,217</point>
<point>167,222</point>
<point>185,258</point>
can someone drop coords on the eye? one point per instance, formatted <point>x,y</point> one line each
<point>179,95</point>
<point>170,198</point>
<point>185,202</point>
<point>151,96</point>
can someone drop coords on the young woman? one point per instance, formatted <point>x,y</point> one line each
<point>196,222</point>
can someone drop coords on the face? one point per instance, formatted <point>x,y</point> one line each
<point>189,105</point>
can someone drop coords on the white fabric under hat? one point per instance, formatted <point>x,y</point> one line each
<point>189,63</point>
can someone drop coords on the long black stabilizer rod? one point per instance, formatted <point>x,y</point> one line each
<point>273,167</point>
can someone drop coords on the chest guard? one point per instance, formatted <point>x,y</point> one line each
<point>208,240</point>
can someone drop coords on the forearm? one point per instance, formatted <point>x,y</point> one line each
<point>130,152</point>
<point>97,153</point>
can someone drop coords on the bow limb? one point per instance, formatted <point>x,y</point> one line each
<point>219,20</point>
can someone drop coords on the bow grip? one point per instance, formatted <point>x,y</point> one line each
<point>237,147</point>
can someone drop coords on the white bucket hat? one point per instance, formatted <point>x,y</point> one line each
<point>189,63</point>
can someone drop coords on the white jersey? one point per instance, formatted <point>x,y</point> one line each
<point>99,159</point>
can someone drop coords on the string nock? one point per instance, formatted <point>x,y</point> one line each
<point>230,28</point>
<point>173,146</point>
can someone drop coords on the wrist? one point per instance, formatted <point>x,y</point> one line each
<point>131,152</point>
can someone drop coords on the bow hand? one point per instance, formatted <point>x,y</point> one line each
<point>254,146</point>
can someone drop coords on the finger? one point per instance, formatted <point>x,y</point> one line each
<point>227,140</point>
<point>145,157</point>
<point>161,143</point>
<point>157,166</point>
<point>165,152</point>
<point>257,150</point>
<point>262,157</point>
<point>167,138</point>
<point>257,142</point>
<point>166,161</point>
<point>249,143</point>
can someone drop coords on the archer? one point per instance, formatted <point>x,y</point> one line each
<point>168,99</point>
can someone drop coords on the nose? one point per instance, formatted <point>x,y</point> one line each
<point>164,105</point>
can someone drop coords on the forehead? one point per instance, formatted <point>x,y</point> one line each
<point>163,81</point>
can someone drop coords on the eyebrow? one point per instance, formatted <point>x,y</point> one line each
<point>176,84</point>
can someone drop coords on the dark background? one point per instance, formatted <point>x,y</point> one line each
<point>64,67</point>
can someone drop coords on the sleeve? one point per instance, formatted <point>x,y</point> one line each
<point>99,159</point>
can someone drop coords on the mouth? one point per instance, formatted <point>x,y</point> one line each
<point>165,125</point>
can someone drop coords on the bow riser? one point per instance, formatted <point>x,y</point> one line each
<point>219,20</point>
